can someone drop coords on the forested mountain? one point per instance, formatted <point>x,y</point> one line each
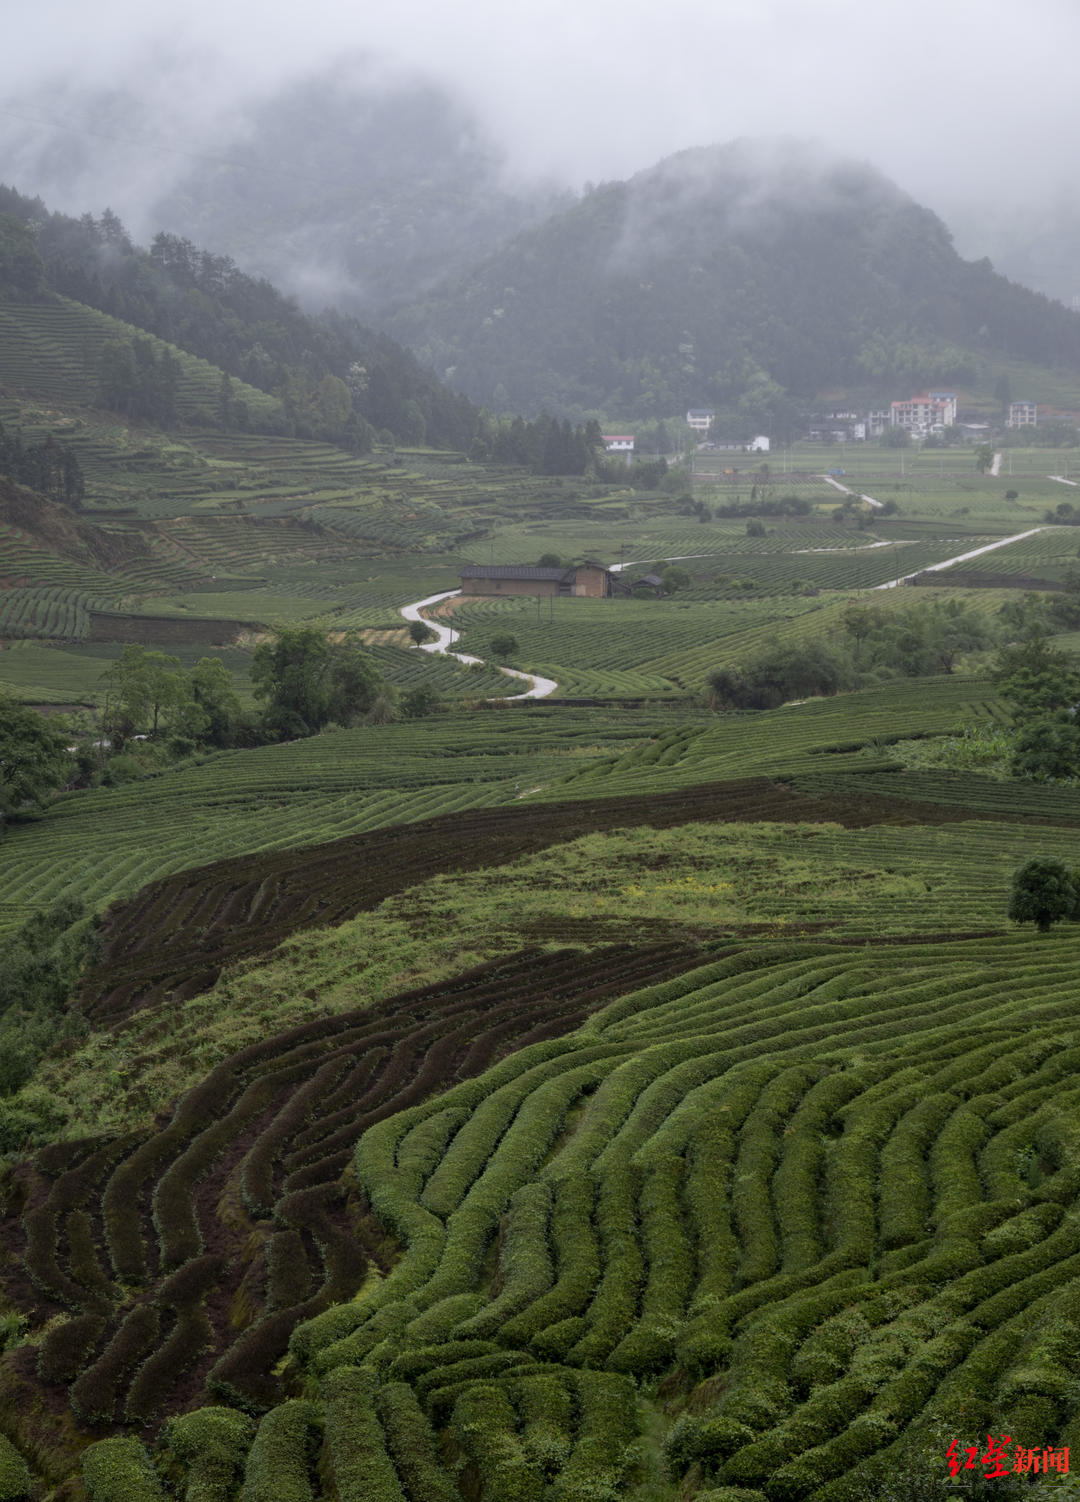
<point>746,278</point>
<point>335,378</point>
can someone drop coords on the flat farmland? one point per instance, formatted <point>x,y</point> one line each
<point>622,646</point>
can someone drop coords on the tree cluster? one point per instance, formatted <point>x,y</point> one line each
<point>778,677</point>
<point>38,968</point>
<point>545,446</point>
<point>1043,892</point>
<point>762,502</point>
<point>138,381</point>
<point>877,644</point>
<point>149,694</point>
<point>307,682</point>
<point>1042,688</point>
<point>48,467</point>
<point>22,270</point>
<point>34,759</point>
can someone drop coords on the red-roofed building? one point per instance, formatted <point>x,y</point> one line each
<point>923,414</point>
<point>619,443</point>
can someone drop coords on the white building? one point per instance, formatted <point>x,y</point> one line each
<point>619,443</point>
<point>924,414</point>
<point>1022,415</point>
<point>700,419</point>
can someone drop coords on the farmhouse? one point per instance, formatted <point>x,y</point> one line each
<point>620,443</point>
<point>590,580</point>
<point>700,419</point>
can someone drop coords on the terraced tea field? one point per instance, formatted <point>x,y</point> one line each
<point>543,1103</point>
<point>61,342</point>
<point>783,1223</point>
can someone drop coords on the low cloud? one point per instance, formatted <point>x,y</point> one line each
<point>967,106</point>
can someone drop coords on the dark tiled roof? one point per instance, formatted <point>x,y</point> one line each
<point>515,571</point>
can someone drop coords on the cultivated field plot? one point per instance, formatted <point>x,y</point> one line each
<point>1045,555</point>
<point>850,733</point>
<point>281,797</point>
<point>61,342</point>
<point>785,1222</point>
<point>616,647</point>
<point>37,672</point>
<point>726,563</point>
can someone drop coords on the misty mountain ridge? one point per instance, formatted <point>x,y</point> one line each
<point>745,277</point>
<point>357,187</point>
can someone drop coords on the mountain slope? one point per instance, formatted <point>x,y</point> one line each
<point>329,377</point>
<point>742,277</point>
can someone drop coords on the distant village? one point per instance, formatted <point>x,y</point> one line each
<point>931,414</point>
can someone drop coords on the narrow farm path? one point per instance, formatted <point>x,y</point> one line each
<point>995,468</point>
<point>1062,480</point>
<point>444,638</point>
<point>869,499</point>
<point>934,568</point>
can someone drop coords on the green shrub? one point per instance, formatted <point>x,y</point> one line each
<point>412,1445</point>
<point>14,1474</point>
<point>483,1423</point>
<point>119,1470</point>
<point>212,1444</point>
<point>363,1471</point>
<point>278,1465</point>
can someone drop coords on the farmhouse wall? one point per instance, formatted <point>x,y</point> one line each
<point>592,583</point>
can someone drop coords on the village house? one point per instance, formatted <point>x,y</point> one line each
<point>619,443</point>
<point>593,581</point>
<point>700,419</point>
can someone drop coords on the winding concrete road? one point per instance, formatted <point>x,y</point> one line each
<point>869,499</point>
<point>444,635</point>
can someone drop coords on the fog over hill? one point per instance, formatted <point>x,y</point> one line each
<point>351,154</point>
<point>745,278</point>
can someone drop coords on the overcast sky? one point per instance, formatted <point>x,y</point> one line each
<point>961,101</point>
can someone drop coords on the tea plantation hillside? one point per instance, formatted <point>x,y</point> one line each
<point>638,1092</point>
<point>658,1135</point>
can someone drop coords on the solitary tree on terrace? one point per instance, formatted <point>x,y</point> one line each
<point>1043,892</point>
<point>504,645</point>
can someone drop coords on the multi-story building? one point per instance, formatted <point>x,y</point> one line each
<point>923,414</point>
<point>1022,415</point>
<point>700,419</point>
